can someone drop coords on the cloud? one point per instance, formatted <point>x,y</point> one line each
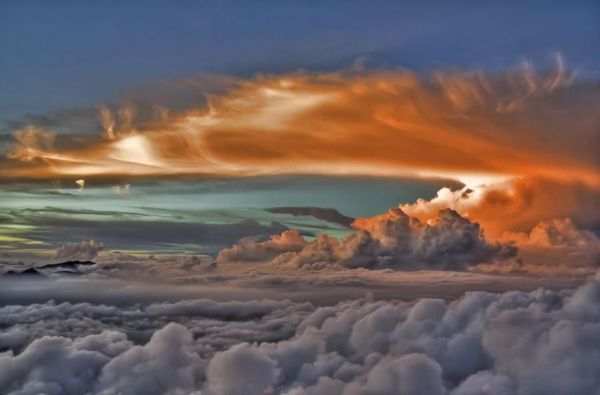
<point>216,325</point>
<point>558,233</point>
<point>249,249</point>
<point>257,282</point>
<point>502,134</point>
<point>541,342</point>
<point>167,363</point>
<point>411,374</point>
<point>527,212</point>
<point>104,364</point>
<point>484,383</point>
<point>514,205</point>
<point>83,251</point>
<point>446,124</point>
<point>55,365</point>
<point>241,370</point>
<point>122,233</point>
<point>169,268</point>
<point>326,214</point>
<point>398,241</point>
<point>32,141</point>
<point>558,242</point>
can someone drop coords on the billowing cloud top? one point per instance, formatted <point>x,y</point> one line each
<point>396,240</point>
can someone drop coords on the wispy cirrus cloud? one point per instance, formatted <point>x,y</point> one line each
<point>378,122</point>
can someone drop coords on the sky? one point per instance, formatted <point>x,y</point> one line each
<point>76,54</point>
<point>335,197</point>
<point>240,108</point>
<point>208,114</point>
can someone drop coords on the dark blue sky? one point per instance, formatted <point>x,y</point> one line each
<point>64,54</point>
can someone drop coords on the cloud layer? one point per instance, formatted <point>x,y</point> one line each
<point>543,342</point>
<point>372,122</point>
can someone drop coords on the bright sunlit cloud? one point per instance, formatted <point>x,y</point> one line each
<point>467,126</point>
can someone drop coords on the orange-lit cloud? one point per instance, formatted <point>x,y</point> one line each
<point>388,123</point>
<point>515,204</point>
<point>526,144</point>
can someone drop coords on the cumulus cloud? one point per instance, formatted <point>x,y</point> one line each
<point>241,370</point>
<point>83,251</point>
<point>58,365</point>
<point>559,233</point>
<point>166,364</point>
<point>106,363</point>
<point>398,241</point>
<point>538,343</point>
<point>545,219</point>
<point>514,204</point>
<point>217,325</point>
<point>250,249</point>
<point>558,242</point>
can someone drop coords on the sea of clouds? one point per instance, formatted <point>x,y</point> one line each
<point>541,342</point>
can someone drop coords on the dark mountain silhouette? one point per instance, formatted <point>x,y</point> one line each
<point>29,273</point>
<point>72,265</point>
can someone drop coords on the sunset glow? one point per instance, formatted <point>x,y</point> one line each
<point>299,198</point>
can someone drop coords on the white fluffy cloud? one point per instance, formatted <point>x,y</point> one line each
<point>166,364</point>
<point>241,370</point>
<point>538,343</point>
